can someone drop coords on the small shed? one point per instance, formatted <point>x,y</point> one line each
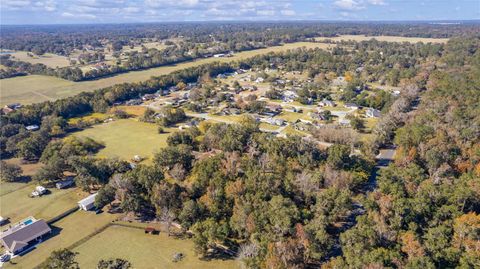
<point>151,230</point>
<point>88,202</point>
<point>64,183</point>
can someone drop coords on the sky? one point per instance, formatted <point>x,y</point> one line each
<point>131,11</point>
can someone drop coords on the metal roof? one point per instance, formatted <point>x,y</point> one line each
<point>89,200</point>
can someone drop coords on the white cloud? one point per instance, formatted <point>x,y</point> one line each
<point>15,4</point>
<point>377,2</point>
<point>265,12</point>
<point>349,4</point>
<point>78,15</point>
<point>288,12</point>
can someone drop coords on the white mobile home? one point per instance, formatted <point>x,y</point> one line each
<point>87,203</point>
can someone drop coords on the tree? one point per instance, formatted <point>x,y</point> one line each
<point>338,156</point>
<point>105,196</point>
<point>114,264</point>
<point>357,123</point>
<point>9,172</point>
<point>61,259</point>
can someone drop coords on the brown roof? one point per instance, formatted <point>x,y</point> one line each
<point>18,237</point>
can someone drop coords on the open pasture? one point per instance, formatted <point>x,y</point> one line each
<point>38,88</point>
<point>126,138</point>
<point>143,250</point>
<point>48,59</point>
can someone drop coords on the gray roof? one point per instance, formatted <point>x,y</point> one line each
<point>18,237</point>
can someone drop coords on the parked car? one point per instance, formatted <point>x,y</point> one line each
<point>5,258</point>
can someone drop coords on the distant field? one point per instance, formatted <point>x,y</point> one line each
<point>126,138</point>
<point>384,38</point>
<point>67,231</point>
<point>143,250</point>
<point>48,59</point>
<point>36,88</point>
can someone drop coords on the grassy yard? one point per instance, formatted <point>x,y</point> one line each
<point>384,38</point>
<point>293,116</point>
<point>17,205</point>
<point>66,232</point>
<point>36,88</point>
<point>126,138</point>
<point>132,110</point>
<point>268,126</point>
<point>89,117</point>
<point>143,250</point>
<point>28,170</point>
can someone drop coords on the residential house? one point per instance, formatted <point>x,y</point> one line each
<point>352,105</point>
<point>372,113</point>
<point>326,102</point>
<point>24,235</point>
<point>32,127</point>
<point>88,202</point>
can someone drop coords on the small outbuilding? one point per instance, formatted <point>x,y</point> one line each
<point>87,203</point>
<point>151,230</point>
<point>64,183</point>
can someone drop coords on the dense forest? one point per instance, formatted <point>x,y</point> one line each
<point>285,202</point>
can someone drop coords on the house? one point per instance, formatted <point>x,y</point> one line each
<point>289,96</point>
<point>259,80</point>
<point>64,184</point>
<point>344,122</point>
<point>147,97</point>
<point>23,235</point>
<point>87,203</point>
<point>352,105</point>
<point>32,127</point>
<point>326,102</point>
<point>14,106</point>
<point>39,191</point>
<point>372,113</point>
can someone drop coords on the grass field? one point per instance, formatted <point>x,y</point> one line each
<point>384,38</point>
<point>89,117</point>
<point>126,138</point>
<point>17,205</point>
<point>143,250</point>
<point>48,59</point>
<point>36,88</point>
<point>66,232</point>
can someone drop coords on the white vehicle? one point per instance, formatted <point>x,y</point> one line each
<point>5,258</point>
<point>39,191</point>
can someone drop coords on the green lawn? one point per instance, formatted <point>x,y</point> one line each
<point>268,126</point>
<point>143,250</point>
<point>126,138</point>
<point>66,232</point>
<point>17,205</point>
<point>293,116</point>
<point>8,187</point>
